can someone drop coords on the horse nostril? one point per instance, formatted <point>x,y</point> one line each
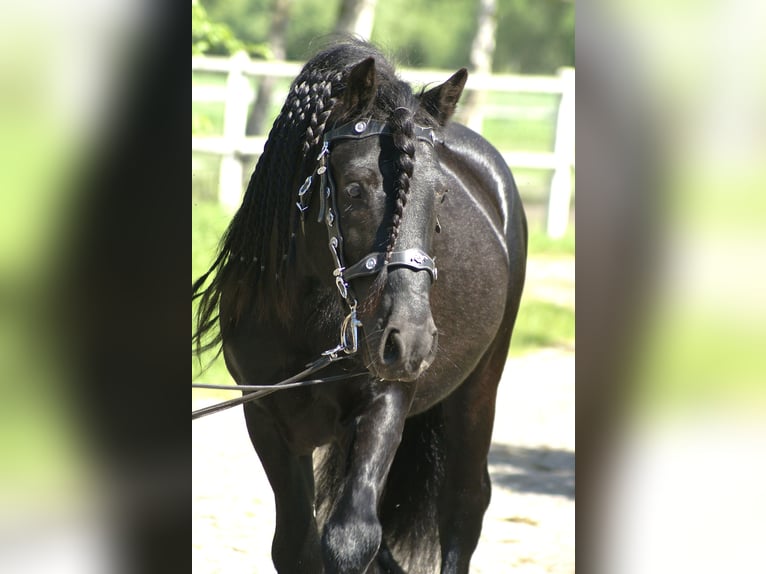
<point>434,341</point>
<point>392,349</point>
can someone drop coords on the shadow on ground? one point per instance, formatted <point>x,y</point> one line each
<point>533,470</point>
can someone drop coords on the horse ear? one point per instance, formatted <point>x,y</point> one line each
<point>361,86</point>
<point>440,101</point>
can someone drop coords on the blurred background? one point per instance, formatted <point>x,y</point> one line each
<point>671,112</point>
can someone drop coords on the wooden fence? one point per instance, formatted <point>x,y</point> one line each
<point>238,95</point>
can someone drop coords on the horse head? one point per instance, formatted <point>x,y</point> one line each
<point>382,188</point>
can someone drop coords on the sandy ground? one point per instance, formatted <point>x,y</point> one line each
<point>529,527</point>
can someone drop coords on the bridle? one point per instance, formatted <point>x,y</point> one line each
<point>371,264</point>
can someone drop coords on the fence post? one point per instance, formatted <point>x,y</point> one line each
<point>561,182</point>
<point>234,121</point>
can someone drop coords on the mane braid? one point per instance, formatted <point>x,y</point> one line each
<point>402,125</point>
<point>403,128</point>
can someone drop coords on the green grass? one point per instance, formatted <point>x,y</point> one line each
<point>207,117</point>
<point>209,221</point>
<point>542,324</point>
<point>541,244</point>
<point>205,171</point>
<point>529,122</point>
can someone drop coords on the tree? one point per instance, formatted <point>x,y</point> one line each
<point>215,37</point>
<point>210,37</point>
<point>482,52</point>
<point>537,36</point>
<point>277,43</point>
<point>356,17</point>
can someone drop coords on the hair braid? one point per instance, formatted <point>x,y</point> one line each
<point>404,141</point>
<point>323,104</point>
<point>316,102</point>
<point>263,238</point>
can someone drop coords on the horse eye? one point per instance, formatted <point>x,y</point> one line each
<point>443,195</point>
<point>354,190</point>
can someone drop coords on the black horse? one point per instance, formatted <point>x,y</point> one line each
<point>364,190</point>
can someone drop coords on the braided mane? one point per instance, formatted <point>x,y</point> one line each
<point>258,247</point>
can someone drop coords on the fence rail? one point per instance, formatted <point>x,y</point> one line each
<point>238,95</point>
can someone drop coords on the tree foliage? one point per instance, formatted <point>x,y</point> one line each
<point>534,36</point>
<point>217,38</point>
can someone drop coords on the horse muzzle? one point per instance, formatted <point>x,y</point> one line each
<point>404,349</point>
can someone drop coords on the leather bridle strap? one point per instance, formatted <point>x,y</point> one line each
<point>372,263</point>
<point>366,128</point>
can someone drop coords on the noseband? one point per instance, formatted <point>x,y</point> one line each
<point>372,263</point>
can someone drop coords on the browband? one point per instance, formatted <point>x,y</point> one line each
<point>367,128</point>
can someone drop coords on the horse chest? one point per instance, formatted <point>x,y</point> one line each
<point>309,419</point>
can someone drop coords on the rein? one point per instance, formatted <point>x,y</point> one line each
<point>370,264</point>
<point>260,391</point>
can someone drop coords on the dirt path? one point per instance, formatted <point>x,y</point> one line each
<point>530,522</point>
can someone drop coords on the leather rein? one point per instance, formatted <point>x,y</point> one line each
<point>370,264</point>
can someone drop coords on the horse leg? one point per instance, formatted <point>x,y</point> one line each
<point>469,416</point>
<point>295,548</point>
<point>385,562</point>
<point>353,533</point>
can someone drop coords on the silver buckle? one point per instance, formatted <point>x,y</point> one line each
<point>349,336</point>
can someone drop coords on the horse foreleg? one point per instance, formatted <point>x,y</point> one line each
<point>352,535</point>
<point>295,548</point>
